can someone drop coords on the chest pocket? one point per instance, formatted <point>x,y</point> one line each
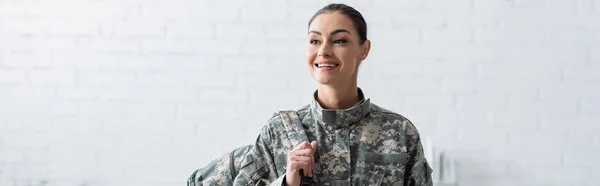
<point>383,168</point>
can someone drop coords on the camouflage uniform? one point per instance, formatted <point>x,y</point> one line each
<point>362,145</point>
<point>220,171</point>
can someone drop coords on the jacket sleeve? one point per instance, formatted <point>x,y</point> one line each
<point>258,166</point>
<point>418,171</point>
<point>220,171</point>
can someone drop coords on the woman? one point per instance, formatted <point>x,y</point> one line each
<point>352,141</point>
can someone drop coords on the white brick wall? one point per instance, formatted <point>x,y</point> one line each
<point>144,92</point>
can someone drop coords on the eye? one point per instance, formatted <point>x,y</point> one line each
<point>314,41</point>
<point>340,41</point>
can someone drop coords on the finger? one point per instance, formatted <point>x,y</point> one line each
<point>303,152</point>
<point>301,158</point>
<point>300,146</point>
<point>314,145</point>
<point>297,165</point>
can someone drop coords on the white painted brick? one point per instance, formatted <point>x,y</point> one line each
<point>213,80</point>
<point>239,31</point>
<point>529,6</point>
<point>31,92</point>
<point>140,28</point>
<point>42,43</point>
<point>286,31</point>
<point>216,13</point>
<point>47,76</point>
<point>396,5</point>
<point>183,29</point>
<point>21,27</point>
<point>590,106</point>
<point>582,72</point>
<point>161,77</point>
<point>574,89</point>
<point>448,35</point>
<point>419,19</point>
<point>188,46</point>
<point>12,75</point>
<point>558,6</point>
<point>302,14</point>
<point>73,28</point>
<point>261,15</point>
<point>455,6</point>
<point>394,35</point>
<point>79,60</point>
<point>109,45</point>
<point>245,64</point>
<point>106,77</point>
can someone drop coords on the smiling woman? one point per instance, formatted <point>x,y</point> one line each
<point>345,139</point>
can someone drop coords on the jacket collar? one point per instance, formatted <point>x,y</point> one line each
<point>339,118</point>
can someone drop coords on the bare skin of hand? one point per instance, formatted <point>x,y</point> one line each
<point>301,157</point>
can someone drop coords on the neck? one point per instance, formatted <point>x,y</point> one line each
<point>337,97</point>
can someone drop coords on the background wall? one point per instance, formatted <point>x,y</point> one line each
<point>114,92</point>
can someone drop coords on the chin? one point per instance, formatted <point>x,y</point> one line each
<point>323,80</point>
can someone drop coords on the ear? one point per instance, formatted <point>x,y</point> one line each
<point>366,47</point>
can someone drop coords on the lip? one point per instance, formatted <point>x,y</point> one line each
<point>327,62</point>
<point>326,69</point>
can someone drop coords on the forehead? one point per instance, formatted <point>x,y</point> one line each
<point>328,22</point>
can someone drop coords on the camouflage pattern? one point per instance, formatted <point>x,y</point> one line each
<point>362,145</point>
<point>220,171</point>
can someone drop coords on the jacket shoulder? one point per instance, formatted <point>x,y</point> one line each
<point>394,118</point>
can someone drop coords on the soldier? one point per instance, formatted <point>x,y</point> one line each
<point>351,141</point>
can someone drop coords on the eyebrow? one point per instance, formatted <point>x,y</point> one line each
<point>332,33</point>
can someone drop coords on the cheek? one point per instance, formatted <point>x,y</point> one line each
<point>310,55</point>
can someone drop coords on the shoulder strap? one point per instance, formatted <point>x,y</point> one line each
<point>293,126</point>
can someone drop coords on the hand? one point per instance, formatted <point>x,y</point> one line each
<point>301,157</point>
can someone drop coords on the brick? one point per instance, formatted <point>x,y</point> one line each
<point>573,89</point>
<point>558,6</point>
<point>448,35</point>
<point>486,102</point>
<point>581,72</point>
<point>245,64</point>
<point>24,27</point>
<point>396,5</point>
<point>81,60</point>
<point>50,76</point>
<point>106,77</point>
<point>260,15</point>
<point>158,62</point>
<point>239,31</point>
<point>9,75</point>
<point>140,28</point>
<point>419,19</point>
<point>32,92</point>
<point>109,45</point>
<point>394,35</point>
<point>455,6</point>
<point>217,79</point>
<point>285,31</point>
<point>216,13</point>
<point>179,30</point>
<point>590,106</point>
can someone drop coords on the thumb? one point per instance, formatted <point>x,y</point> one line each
<point>301,146</point>
<point>314,144</point>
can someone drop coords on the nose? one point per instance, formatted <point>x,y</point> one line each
<point>325,50</point>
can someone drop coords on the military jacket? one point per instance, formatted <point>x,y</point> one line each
<point>362,145</point>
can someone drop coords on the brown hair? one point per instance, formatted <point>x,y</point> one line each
<point>353,14</point>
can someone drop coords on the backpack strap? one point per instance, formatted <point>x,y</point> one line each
<point>297,135</point>
<point>293,127</point>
